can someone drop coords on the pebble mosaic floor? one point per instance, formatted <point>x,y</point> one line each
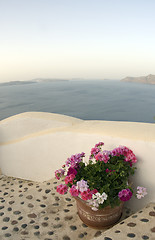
<point>139,226</point>
<point>31,210</point>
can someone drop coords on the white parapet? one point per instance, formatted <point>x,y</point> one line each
<point>33,145</point>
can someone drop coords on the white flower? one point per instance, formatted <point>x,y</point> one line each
<point>141,192</point>
<point>94,204</point>
<point>99,198</point>
<point>94,208</point>
<point>104,195</point>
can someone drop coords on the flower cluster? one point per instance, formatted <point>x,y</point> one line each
<point>59,173</point>
<point>97,199</point>
<point>141,192</point>
<point>128,154</point>
<point>125,194</point>
<point>74,160</point>
<point>62,189</point>
<point>103,180</point>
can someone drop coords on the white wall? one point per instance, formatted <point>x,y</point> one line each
<point>35,153</point>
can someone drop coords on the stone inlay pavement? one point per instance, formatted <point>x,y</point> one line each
<point>32,210</point>
<point>138,226</point>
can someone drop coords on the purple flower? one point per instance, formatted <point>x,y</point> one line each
<point>82,185</point>
<point>99,144</point>
<point>81,155</point>
<point>95,150</point>
<point>74,159</point>
<point>71,171</point>
<point>117,151</point>
<point>125,195</point>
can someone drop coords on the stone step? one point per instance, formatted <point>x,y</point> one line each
<point>32,210</point>
<point>140,225</point>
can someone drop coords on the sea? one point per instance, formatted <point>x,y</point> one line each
<point>109,100</point>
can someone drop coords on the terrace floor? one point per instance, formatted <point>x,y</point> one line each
<point>32,210</point>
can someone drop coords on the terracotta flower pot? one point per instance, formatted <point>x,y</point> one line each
<point>100,219</point>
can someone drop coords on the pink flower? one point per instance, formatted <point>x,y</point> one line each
<point>99,157</point>
<point>95,150</point>
<point>74,191</point>
<point>141,192</point>
<point>104,157</point>
<point>62,189</point>
<point>69,179</point>
<point>93,191</point>
<point>59,173</point>
<point>107,170</point>
<point>125,195</point>
<point>128,154</point>
<point>99,144</point>
<point>86,195</point>
<point>130,157</point>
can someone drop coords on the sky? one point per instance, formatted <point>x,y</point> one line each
<point>90,39</point>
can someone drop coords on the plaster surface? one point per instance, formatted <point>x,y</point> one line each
<point>33,145</point>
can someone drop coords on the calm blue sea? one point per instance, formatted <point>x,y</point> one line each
<point>94,100</point>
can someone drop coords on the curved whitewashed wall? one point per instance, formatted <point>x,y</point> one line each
<point>33,145</point>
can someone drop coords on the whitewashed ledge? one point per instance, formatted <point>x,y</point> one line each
<point>34,144</point>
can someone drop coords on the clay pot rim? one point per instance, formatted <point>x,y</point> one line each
<point>99,210</point>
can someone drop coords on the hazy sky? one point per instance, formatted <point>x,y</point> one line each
<point>76,38</point>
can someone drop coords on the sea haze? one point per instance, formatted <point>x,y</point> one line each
<point>88,100</point>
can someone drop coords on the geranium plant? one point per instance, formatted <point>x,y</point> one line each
<point>103,180</point>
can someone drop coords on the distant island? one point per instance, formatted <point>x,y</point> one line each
<point>150,79</point>
<point>48,80</point>
<point>36,80</point>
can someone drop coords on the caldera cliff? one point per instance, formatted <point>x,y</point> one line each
<point>150,79</point>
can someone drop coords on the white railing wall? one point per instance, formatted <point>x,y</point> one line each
<point>33,145</point>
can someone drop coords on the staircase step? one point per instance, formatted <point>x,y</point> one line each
<point>140,225</point>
